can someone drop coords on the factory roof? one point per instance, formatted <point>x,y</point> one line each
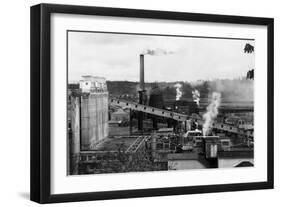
<point>245,164</point>
<point>236,154</point>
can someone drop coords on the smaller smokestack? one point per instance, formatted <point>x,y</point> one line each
<point>141,93</point>
<point>141,72</point>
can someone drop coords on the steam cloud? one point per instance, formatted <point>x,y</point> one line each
<point>178,87</point>
<point>212,112</point>
<point>196,96</point>
<point>234,90</point>
<point>157,51</point>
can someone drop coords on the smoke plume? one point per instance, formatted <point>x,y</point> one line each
<point>178,87</point>
<point>196,96</point>
<point>234,90</point>
<point>157,51</point>
<point>212,112</point>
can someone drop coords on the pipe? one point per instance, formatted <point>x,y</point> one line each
<point>131,123</point>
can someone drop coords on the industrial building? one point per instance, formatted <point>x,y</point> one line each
<point>108,134</point>
<point>87,115</point>
<point>120,115</point>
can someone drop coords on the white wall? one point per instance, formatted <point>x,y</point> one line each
<point>14,151</point>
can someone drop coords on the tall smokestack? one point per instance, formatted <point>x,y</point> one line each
<point>141,93</point>
<point>141,72</point>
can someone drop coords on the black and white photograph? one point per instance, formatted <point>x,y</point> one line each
<point>144,102</point>
<point>151,102</point>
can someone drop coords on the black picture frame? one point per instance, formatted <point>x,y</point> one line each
<point>40,102</point>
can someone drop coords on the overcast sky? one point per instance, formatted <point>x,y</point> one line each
<point>116,57</point>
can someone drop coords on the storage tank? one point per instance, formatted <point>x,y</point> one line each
<point>94,111</point>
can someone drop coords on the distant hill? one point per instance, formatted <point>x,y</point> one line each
<point>118,88</point>
<point>230,89</point>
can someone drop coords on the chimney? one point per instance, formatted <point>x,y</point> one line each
<point>141,93</point>
<point>142,72</point>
